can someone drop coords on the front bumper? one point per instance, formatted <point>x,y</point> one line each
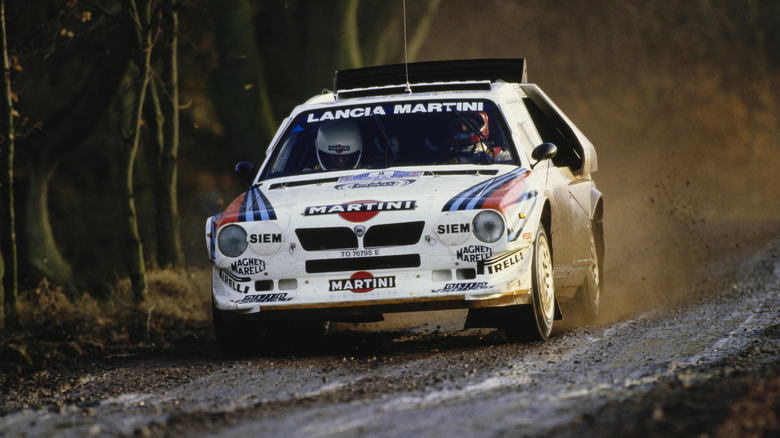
<point>501,280</point>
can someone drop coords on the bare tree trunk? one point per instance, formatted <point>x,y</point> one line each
<point>155,123</point>
<point>380,37</point>
<point>133,246</point>
<point>169,252</point>
<point>8,262</point>
<point>43,150</point>
<point>349,36</point>
<point>240,96</point>
<point>42,257</point>
<point>422,29</point>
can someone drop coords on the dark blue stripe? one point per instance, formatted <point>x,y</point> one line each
<point>455,203</point>
<point>256,206</point>
<point>268,209</point>
<point>242,210</point>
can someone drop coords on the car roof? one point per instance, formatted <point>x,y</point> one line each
<point>423,79</point>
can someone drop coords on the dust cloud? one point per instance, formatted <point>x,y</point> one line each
<point>684,117</point>
<point>687,134</point>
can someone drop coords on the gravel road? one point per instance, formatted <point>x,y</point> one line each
<point>706,366</point>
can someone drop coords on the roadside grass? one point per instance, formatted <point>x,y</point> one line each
<point>52,330</point>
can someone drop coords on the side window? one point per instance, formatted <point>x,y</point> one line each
<point>552,131</point>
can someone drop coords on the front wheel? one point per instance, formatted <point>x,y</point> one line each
<point>235,338</point>
<point>536,321</point>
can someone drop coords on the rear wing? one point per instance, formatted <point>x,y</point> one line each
<point>469,70</point>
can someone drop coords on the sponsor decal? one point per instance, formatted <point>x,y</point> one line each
<point>264,298</point>
<point>339,148</point>
<point>265,238</point>
<point>453,228</point>
<point>347,113</point>
<point>528,236</point>
<point>500,263</point>
<point>437,107</point>
<point>380,175</point>
<point>359,211</point>
<point>474,253</point>
<point>234,282</point>
<point>462,287</point>
<point>248,266</point>
<point>408,108</point>
<point>374,184</point>
<point>362,282</point>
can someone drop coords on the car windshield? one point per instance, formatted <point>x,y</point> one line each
<point>425,133</point>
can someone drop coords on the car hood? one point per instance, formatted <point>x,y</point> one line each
<point>359,195</point>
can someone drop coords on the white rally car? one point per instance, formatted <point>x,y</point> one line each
<point>427,186</point>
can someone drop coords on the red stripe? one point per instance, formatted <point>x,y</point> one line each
<point>507,195</point>
<point>231,212</point>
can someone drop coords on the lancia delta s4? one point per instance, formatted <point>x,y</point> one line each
<point>427,186</point>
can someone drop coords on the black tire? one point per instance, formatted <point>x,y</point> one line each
<point>235,338</point>
<point>535,321</point>
<point>299,329</point>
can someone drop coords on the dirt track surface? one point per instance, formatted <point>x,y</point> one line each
<point>705,366</point>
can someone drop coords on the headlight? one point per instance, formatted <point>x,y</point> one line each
<point>488,226</point>
<point>232,240</point>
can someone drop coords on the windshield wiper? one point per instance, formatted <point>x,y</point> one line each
<point>473,128</point>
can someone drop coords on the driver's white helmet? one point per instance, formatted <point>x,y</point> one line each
<point>339,145</point>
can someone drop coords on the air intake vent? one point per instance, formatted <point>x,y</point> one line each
<point>324,239</point>
<point>407,233</point>
<point>363,263</point>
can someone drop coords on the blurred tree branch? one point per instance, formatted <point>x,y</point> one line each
<point>9,282</point>
<point>164,121</point>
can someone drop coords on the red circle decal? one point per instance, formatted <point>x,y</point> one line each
<point>359,216</point>
<point>359,276</point>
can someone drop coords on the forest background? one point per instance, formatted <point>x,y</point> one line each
<point>128,116</point>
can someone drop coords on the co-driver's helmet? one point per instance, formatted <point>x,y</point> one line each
<point>463,131</point>
<point>339,145</point>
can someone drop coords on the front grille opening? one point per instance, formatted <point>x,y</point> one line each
<point>363,263</point>
<point>264,285</point>
<point>323,239</point>
<point>405,233</point>
<point>441,275</point>
<point>466,274</point>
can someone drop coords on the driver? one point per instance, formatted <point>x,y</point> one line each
<point>466,136</point>
<point>339,145</point>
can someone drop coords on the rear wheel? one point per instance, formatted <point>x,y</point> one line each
<point>535,321</point>
<point>588,296</point>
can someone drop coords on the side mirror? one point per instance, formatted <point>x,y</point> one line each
<point>544,151</point>
<point>247,171</point>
